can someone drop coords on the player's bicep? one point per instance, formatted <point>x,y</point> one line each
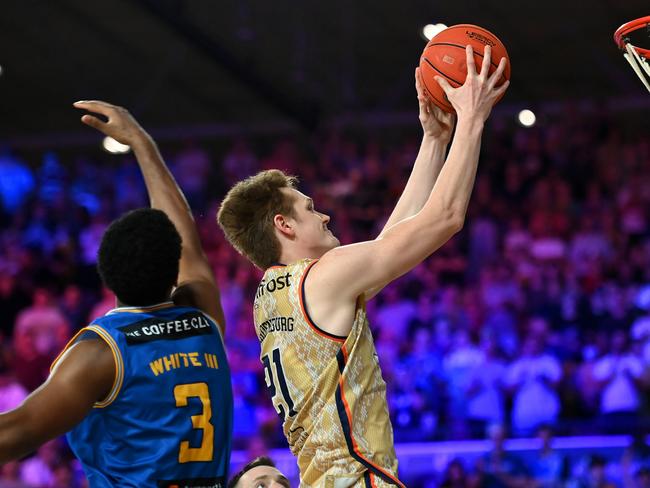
<point>371,265</point>
<point>83,376</point>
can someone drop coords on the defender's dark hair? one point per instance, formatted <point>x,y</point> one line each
<point>260,461</point>
<point>139,257</point>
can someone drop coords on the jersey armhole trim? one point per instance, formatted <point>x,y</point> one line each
<point>117,357</point>
<point>305,313</point>
<point>119,366</point>
<point>67,346</point>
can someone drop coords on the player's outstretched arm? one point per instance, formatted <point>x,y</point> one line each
<point>197,286</point>
<point>83,376</point>
<point>437,127</point>
<point>348,271</point>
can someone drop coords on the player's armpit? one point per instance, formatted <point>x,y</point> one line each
<point>346,272</point>
<point>83,376</point>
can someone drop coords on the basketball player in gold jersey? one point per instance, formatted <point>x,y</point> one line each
<point>319,359</point>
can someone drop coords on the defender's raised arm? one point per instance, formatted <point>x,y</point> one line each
<point>197,286</point>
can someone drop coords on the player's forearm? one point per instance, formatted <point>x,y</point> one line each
<point>164,193</point>
<point>452,190</point>
<point>426,169</point>
<point>15,442</point>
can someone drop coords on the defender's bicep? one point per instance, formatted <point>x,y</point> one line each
<point>82,376</point>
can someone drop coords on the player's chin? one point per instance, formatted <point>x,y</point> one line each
<point>330,242</point>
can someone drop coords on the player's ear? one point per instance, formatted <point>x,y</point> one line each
<point>284,225</point>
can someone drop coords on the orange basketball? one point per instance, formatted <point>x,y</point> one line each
<point>444,56</point>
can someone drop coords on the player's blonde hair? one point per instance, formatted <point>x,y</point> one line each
<point>246,215</point>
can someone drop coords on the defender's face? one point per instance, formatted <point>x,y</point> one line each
<point>311,225</point>
<point>263,477</point>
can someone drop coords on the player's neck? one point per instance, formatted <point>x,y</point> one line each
<point>291,254</point>
<point>121,304</point>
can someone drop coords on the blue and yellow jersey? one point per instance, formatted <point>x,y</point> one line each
<point>167,422</point>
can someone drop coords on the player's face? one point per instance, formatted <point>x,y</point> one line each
<point>263,477</point>
<point>311,225</point>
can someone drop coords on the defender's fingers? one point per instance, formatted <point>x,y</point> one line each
<point>95,106</point>
<point>93,122</point>
<point>471,65</point>
<point>487,59</point>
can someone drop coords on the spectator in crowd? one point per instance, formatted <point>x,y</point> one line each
<point>73,307</point>
<point>640,329</point>
<point>44,323</point>
<point>12,301</point>
<point>395,312</point>
<point>40,333</point>
<point>456,477</point>
<point>16,184</point>
<point>619,374</point>
<point>485,390</point>
<point>635,462</point>
<point>101,308</point>
<point>239,163</point>
<point>38,471</point>
<point>642,478</point>
<point>459,363</point>
<point>595,477</point>
<point>549,468</point>
<point>12,393</point>
<point>10,476</point>
<point>193,170</point>
<point>498,468</point>
<point>533,379</point>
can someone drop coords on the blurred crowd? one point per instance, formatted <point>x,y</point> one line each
<point>537,313</point>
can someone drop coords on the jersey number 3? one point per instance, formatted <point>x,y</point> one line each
<point>205,451</point>
<point>271,385</point>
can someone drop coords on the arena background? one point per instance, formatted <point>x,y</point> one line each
<point>552,267</point>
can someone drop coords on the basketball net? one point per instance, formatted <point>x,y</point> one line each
<point>639,64</point>
<point>636,56</point>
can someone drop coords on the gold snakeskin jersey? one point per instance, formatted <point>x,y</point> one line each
<point>328,389</point>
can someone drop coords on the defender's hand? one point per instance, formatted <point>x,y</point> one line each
<point>435,122</point>
<point>476,97</point>
<point>121,125</point>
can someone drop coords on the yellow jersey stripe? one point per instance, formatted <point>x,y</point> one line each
<point>119,366</point>
<point>117,357</point>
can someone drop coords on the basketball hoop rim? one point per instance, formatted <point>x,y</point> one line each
<point>628,27</point>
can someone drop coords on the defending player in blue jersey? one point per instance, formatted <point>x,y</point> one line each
<point>143,392</point>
